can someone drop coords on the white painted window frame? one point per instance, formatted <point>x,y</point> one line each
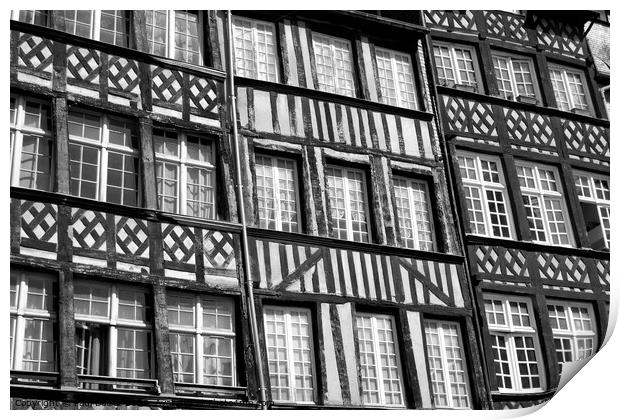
<point>276,191</point>
<point>509,331</point>
<point>397,85</point>
<point>114,323</point>
<point>571,332</point>
<point>594,199</point>
<point>582,77</point>
<point>331,40</point>
<point>104,147</point>
<point>254,31</point>
<point>484,186</point>
<point>289,349</point>
<point>454,64</point>
<point>20,313</point>
<point>542,194</point>
<point>512,78</point>
<point>200,332</point>
<point>183,162</point>
<point>377,355</point>
<point>170,38</point>
<point>416,232</point>
<point>18,130</point>
<point>445,363</point>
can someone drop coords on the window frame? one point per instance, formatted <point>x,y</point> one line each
<point>15,15</point>
<point>95,25</point>
<point>595,199</point>
<point>444,363</point>
<point>20,313</point>
<point>199,333</point>
<point>392,54</point>
<point>409,181</point>
<point>485,186</point>
<point>183,164</point>
<point>331,39</point>
<point>254,30</point>
<point>348,218</point>
<point>374,316</point>
<point>511,58</point>
<point>565,70</point>
<point>571,332</point>
<point>104,147</point>
<point>458,82</point>
<point>18,130</point>
<point>113,323</point>
<point>289,350</point>
<point>541,194</point>
<point>170,36</point>
<point>509,331</point>
<point>264,223</point>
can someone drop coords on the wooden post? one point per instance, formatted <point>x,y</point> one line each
<point>147,162</point>
<point>66,329</point>
<point>162,339</point>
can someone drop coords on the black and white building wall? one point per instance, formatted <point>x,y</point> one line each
<point>319,209</point>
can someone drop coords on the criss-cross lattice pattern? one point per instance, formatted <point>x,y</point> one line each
<point>166,85</point>
<point>202,94</point>
<point>506,26</point>
<point>218,249</point>
<point>527,127</point>
<point>501,261</point>
<point>602,268</point>
<point>178,244</point>
<point>132,238</point>
<point>470,117</point>
<point>39,221</point>
<point>453,19</point>
<point>562,268</point>
<point>562,37</point>
<point>35,53</point>
<point>89,229</point>
<point>83,64</point>
<point>122,74</point>
<point>586,138</point>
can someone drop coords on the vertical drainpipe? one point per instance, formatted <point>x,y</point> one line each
<point>245,255</point>
<point>460,232</point>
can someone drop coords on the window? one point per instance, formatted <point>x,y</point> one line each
<point>33,322</point>
<point>36,17</point>
<point>334,64</point>
<point>594,197</point>
<point>113,331</point>
<point>515,77</point>
<point>485,192</point>
<point>447,364</point>
<point>182,43</point>
<point>414,214</point>
<point>31,143</point>
<point>110,26</point>
<point>104,158</point>
<point>516,351</point>
<point>185,173</point>
<point>381,372</point>
<point>544,203</point>
<point>395,78</point>
<point>346,189</point>
<point>574,330</point>
<point>289,354</point>
<point>571,93</point>
<point>278,194</point>
<point>456,65</point>
<point>202,339</point>
<point>255,49</point>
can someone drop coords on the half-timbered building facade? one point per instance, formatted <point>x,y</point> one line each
<point>527,137</point>
<point>284,209</point>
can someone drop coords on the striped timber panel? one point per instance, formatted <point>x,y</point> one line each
<point>302,117</point>
<point>308,269</point>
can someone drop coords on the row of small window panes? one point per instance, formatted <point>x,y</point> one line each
<point>517,354</point>
<point>489,211</point>
<point>202,336</point>
<point>457,66</point>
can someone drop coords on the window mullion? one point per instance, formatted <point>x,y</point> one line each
<point>104,145</point>
<point>514,365</point>
<point>18,337</point>
<point>289,352</point>
<point>413,216</point>
<point>170,48</point>
<point>95,17</point>
<point>378,365</point>
<point>200,337</point>
<point>182,175</point>
<point>347,204</point>
<point>276,193</point>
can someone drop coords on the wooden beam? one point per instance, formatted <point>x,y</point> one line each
<point>147,163</point>
<point>66,329</point>
<point>162,339</point>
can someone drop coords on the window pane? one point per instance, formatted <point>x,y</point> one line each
<point>333,64</point>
